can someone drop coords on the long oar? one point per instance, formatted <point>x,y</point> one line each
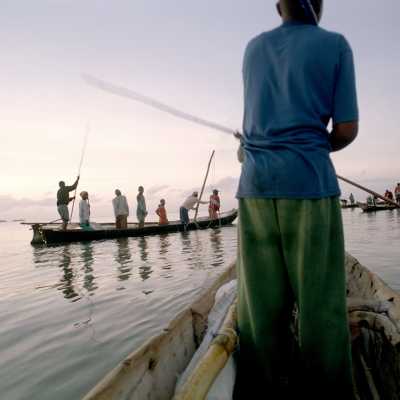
<point>80,167</point>
<point>204,185</point>
<point>368,191</point>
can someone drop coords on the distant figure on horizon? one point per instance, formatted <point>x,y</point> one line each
<point>351,198</point>
<point>189,204</point>
<point>63,200</point>
<point>214,205</point>
<point>121,210</point>
<point>397,193</point>
<point>84,211</point>
<point>162,213</point>
<point>141,210</point>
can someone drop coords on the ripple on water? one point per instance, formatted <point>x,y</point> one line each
<point>71,313</point>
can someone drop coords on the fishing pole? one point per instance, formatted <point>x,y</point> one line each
<point>80,166</point>
<point>309,11</point>
<point>127,93</point>
<point>130,94</point>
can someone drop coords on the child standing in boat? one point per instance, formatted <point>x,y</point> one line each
<point>297,78</point>
<point>141,210</point>
<point>84,211</point>
<point>162,213</point>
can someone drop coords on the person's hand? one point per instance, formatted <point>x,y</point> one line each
<point>238,135</point>
<point>240,152</point>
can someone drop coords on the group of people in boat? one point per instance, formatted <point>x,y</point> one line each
<point>373,200</point>
<point>121,207</point>
<point>396,197</point>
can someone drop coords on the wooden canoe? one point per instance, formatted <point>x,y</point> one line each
<point>151,371</point>
<point>378,207</point>
<point>52,233</point>
<point>350,206</point>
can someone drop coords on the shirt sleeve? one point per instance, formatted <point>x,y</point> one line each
<point>345,106</point>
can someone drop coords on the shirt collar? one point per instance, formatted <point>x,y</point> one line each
<point>293,22</point>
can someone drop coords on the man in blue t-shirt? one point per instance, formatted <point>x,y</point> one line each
<point>297,79</point>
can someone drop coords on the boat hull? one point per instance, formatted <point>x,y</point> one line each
<point>151,371</point>
<point>367,208</point>
<point>43,235</point>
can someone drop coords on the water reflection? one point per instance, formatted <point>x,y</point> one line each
<point>192,245</point>
<point>123,257</point>
<point>87,260</point>
<point>145,269</point>
<point>217,247</point>
<point>164,246</point>
<point>68,277</point>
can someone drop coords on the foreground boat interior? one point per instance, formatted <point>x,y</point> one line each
<point>151,372</point>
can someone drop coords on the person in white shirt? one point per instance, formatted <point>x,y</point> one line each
<point>189,204</point>
<point>84,210</point>
<point>121,210</point>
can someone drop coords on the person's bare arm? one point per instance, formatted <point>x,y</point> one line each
<point>343,134</point>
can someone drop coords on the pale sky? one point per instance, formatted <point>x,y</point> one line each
<point>185,53</point>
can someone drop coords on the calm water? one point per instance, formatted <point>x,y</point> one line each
<point>70,313</point>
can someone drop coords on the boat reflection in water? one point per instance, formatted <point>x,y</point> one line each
<point>123,259</point>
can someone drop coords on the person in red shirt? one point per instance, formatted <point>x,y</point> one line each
<point>397,193</point>
<point>214,206</point>
<point>162,213</point>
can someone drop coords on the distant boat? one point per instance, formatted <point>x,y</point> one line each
<point>350,205</point>
<point>18,220</point>
<point>152,371</point>
<point>51,233</point>
<point>377,207</point>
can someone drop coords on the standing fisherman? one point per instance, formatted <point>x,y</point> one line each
<point>297,78</point>
<point>121,210</point>
<point>63,200</point>
<point>189,204</point>
<point>141,210</point>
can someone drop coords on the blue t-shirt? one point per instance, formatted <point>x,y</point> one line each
<point>297,78</point>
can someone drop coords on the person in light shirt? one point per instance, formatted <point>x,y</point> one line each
<point>121,210</point>
<point>84,210</point>
<point>189,204</point>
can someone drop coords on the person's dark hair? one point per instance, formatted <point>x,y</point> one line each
<point>61,183</point>
<point>295,11</point>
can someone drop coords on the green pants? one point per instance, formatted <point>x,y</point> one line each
<point>292,251</point>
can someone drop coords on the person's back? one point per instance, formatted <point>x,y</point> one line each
<point>297,77</point>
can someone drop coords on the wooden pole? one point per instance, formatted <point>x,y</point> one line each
<point>368,191</point>
<point>80,167</point>
<point>204,185</point>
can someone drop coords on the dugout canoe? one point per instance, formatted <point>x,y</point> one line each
<point>378,207</point>
<point>350,206</point>
<point>52,233</point>
<point>151,372</point>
